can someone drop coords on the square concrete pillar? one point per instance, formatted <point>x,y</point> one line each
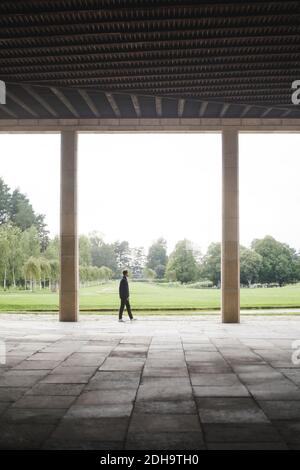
<point>230,273</point>
<point>68,292</point>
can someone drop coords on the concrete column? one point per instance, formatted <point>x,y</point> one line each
<point>230,276</point>
<point>68,292</point>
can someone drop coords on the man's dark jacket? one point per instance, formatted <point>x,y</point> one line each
<point>124,288</point>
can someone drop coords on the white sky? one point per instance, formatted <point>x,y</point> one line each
<point>141,187</point>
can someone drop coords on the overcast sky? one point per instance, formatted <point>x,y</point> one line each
<point>141,187</point>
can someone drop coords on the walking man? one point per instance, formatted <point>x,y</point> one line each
<point>124,296</point>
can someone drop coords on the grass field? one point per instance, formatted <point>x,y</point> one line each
<point>150,296</point>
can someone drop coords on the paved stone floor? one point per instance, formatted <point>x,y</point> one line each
<point>158,383</point>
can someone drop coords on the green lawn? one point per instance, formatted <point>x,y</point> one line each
<point>151,296</point>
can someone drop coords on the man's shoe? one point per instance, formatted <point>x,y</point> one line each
<point>121,320</point>
<point>133,319</point>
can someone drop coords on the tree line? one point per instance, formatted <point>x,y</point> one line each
<point>29,258</point>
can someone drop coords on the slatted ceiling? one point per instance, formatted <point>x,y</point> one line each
<point>150,58</point>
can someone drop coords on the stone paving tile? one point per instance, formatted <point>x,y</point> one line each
<point>150,371</point>
<point>11,394</point>
<point>33,415</point>
<point>56,389</point>
<point>48,365</point>
<point>82,359</point>
<point>247,446</point>
<point>72,444</point>
<point>238,432</point>
<point>280,409</point>
<point>166,407</point>
<point>99,397</point>
<point>117,376</point>
<point>133,354</point>
<point>18,380</point>
<point>3,406</point>
<point>275,390</point>
<point>152,423</point>
<point>104,384</point>
<point>292,374</point>
<point>166,441</point>
<point>122,364</point>
<point>66,379</point>
<point>23,436</point>
<point>230,410</point>
<point>237,390</point>
<point>75,370</point>
<point>49,356</point>
<point>107,410</point>
<point>106,429</point>
<point>215,379</point>
<point>289,431</point>
<point>38,401</point>
<point>157,388</point>
<point>208,368</point>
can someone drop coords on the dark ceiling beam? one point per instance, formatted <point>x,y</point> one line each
<point>60,95</point>
<point>21,103</point>
<point>6,110</point>
<point>89,102</point>
<point>245,110</point>
<point>266,112</point>
<point>113,104</point>
<point>180,107</point>
<point>158,106</point>
<point>202,109</point>
<point>136,105</point>
<point>286,113</point>
<point>224,109</point>
<point>32,92</point>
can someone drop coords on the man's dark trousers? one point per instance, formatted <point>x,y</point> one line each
<point>125,302</point>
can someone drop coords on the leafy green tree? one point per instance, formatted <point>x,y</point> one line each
<point>54,274</point>
<point>122,254</point>
<point>138,260</point>
<point>5,202</point>
<point>250,265</point>
<point>5,254</point>
<point>43,232</point>
<point>211,264</point>
<point>52,250</point>
<point>85,255</point>
<point>182,262</point>
<point>22,213</point>
<point>32,271</point>
<point>30,243</point>
<point>157,257</point>
<point>105,273</point>
<point>277,260</point>
<point>149,273</point>
<point>103,254</point>
<point>14,235</point>
<point>45,268</point>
